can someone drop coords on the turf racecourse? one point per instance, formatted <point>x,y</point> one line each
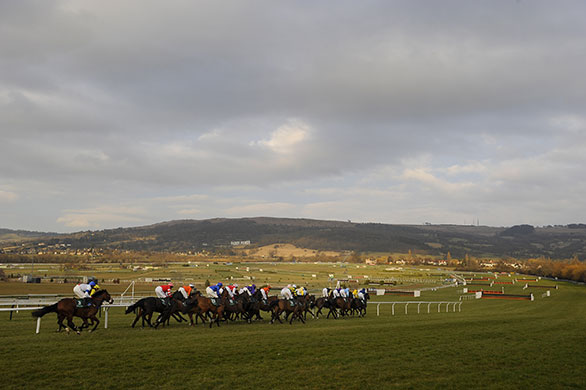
<point>490,344</point>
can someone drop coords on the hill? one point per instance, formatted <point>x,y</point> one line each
<point>219,234</point>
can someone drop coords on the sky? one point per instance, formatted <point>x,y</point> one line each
<point>128,113</point>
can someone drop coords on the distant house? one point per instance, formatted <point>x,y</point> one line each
<point>237,243</point>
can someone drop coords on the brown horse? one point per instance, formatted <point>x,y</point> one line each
<point>344,304</point>
<point>235,307</point>
<point>67,308</point>
<point>323,302</point>
<point>266,306</point>
<point>203,306</point>
<point>295,309</point>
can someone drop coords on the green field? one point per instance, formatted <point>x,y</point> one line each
<point>489,344</point>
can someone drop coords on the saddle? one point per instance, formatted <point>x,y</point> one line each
<point>83,302</point>
<point>216,301</point>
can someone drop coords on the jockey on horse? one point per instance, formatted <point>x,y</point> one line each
<point>215,292</point>
<point>164,292</point>
<point>84,291</point>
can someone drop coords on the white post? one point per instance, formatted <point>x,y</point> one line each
<point>407,304</point>
<point>106,318</point>
<point>38,325</point>
<point>419,304</point>
<point>393,309</point>
<point>460,307</point>
<point>439,304</point>
<point>428,307</point>
<point>378,309</point>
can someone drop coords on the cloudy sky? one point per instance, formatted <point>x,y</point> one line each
<point>128,113</point>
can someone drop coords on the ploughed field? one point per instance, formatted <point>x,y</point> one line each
<point>489,344</point>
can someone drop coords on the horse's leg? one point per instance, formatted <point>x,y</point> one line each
<point>300,315</point>
<point>71,324</point>
<point>138,315</point>
<point>97,322</point>
<point>220,313</point>
<point>148,317</point>
<point>60,318</point>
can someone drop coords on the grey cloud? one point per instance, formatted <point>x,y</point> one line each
<point>149,97</point>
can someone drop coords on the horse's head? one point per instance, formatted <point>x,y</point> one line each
<point>103,295</point>
<point>366,295</point>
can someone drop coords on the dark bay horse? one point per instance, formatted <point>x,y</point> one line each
<point>344,304</point>
<point>67,308</point>
<point>323,302</point>
<point>149,305</point>
<point>293,308</point>
<point>360,305</point>
<point>202,306</point>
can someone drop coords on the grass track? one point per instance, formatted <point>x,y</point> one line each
<point>490,344</point>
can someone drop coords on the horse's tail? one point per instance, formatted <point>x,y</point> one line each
<point>44,310</point>
<point>133,307</point>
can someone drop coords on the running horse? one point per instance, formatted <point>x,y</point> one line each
<point>67,308</point>
<point>149,305</point>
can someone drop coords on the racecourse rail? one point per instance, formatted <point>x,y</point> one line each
<point>29,304</point>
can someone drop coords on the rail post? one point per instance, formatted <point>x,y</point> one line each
<point>407,304</point>
<point>105,318</point>
<point>419,304</point>
<point>378,309</point>
<point>38,325</point>
<point>393,309</point>
<point>428,307</point>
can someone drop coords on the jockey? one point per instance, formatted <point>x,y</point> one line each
<point>187,290</point>
<point>347,291</point>
<point>355,293</point>
<point>286,293</point>
<point>164,291</point>
<point>343,293</point>
<point>215,290</point>
<point>336,293</point>
<point>361,294</point>
<point>325,292</point>
<point>293,289</point>
<point>300,291</point>
<point>265,292</point>
<point>232,289</point>
<point>82,290</point>
<point>94,287</point>
<point>251,288</point>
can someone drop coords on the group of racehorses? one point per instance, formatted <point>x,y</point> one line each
<point>225,308</point>
<point>242,306</point>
